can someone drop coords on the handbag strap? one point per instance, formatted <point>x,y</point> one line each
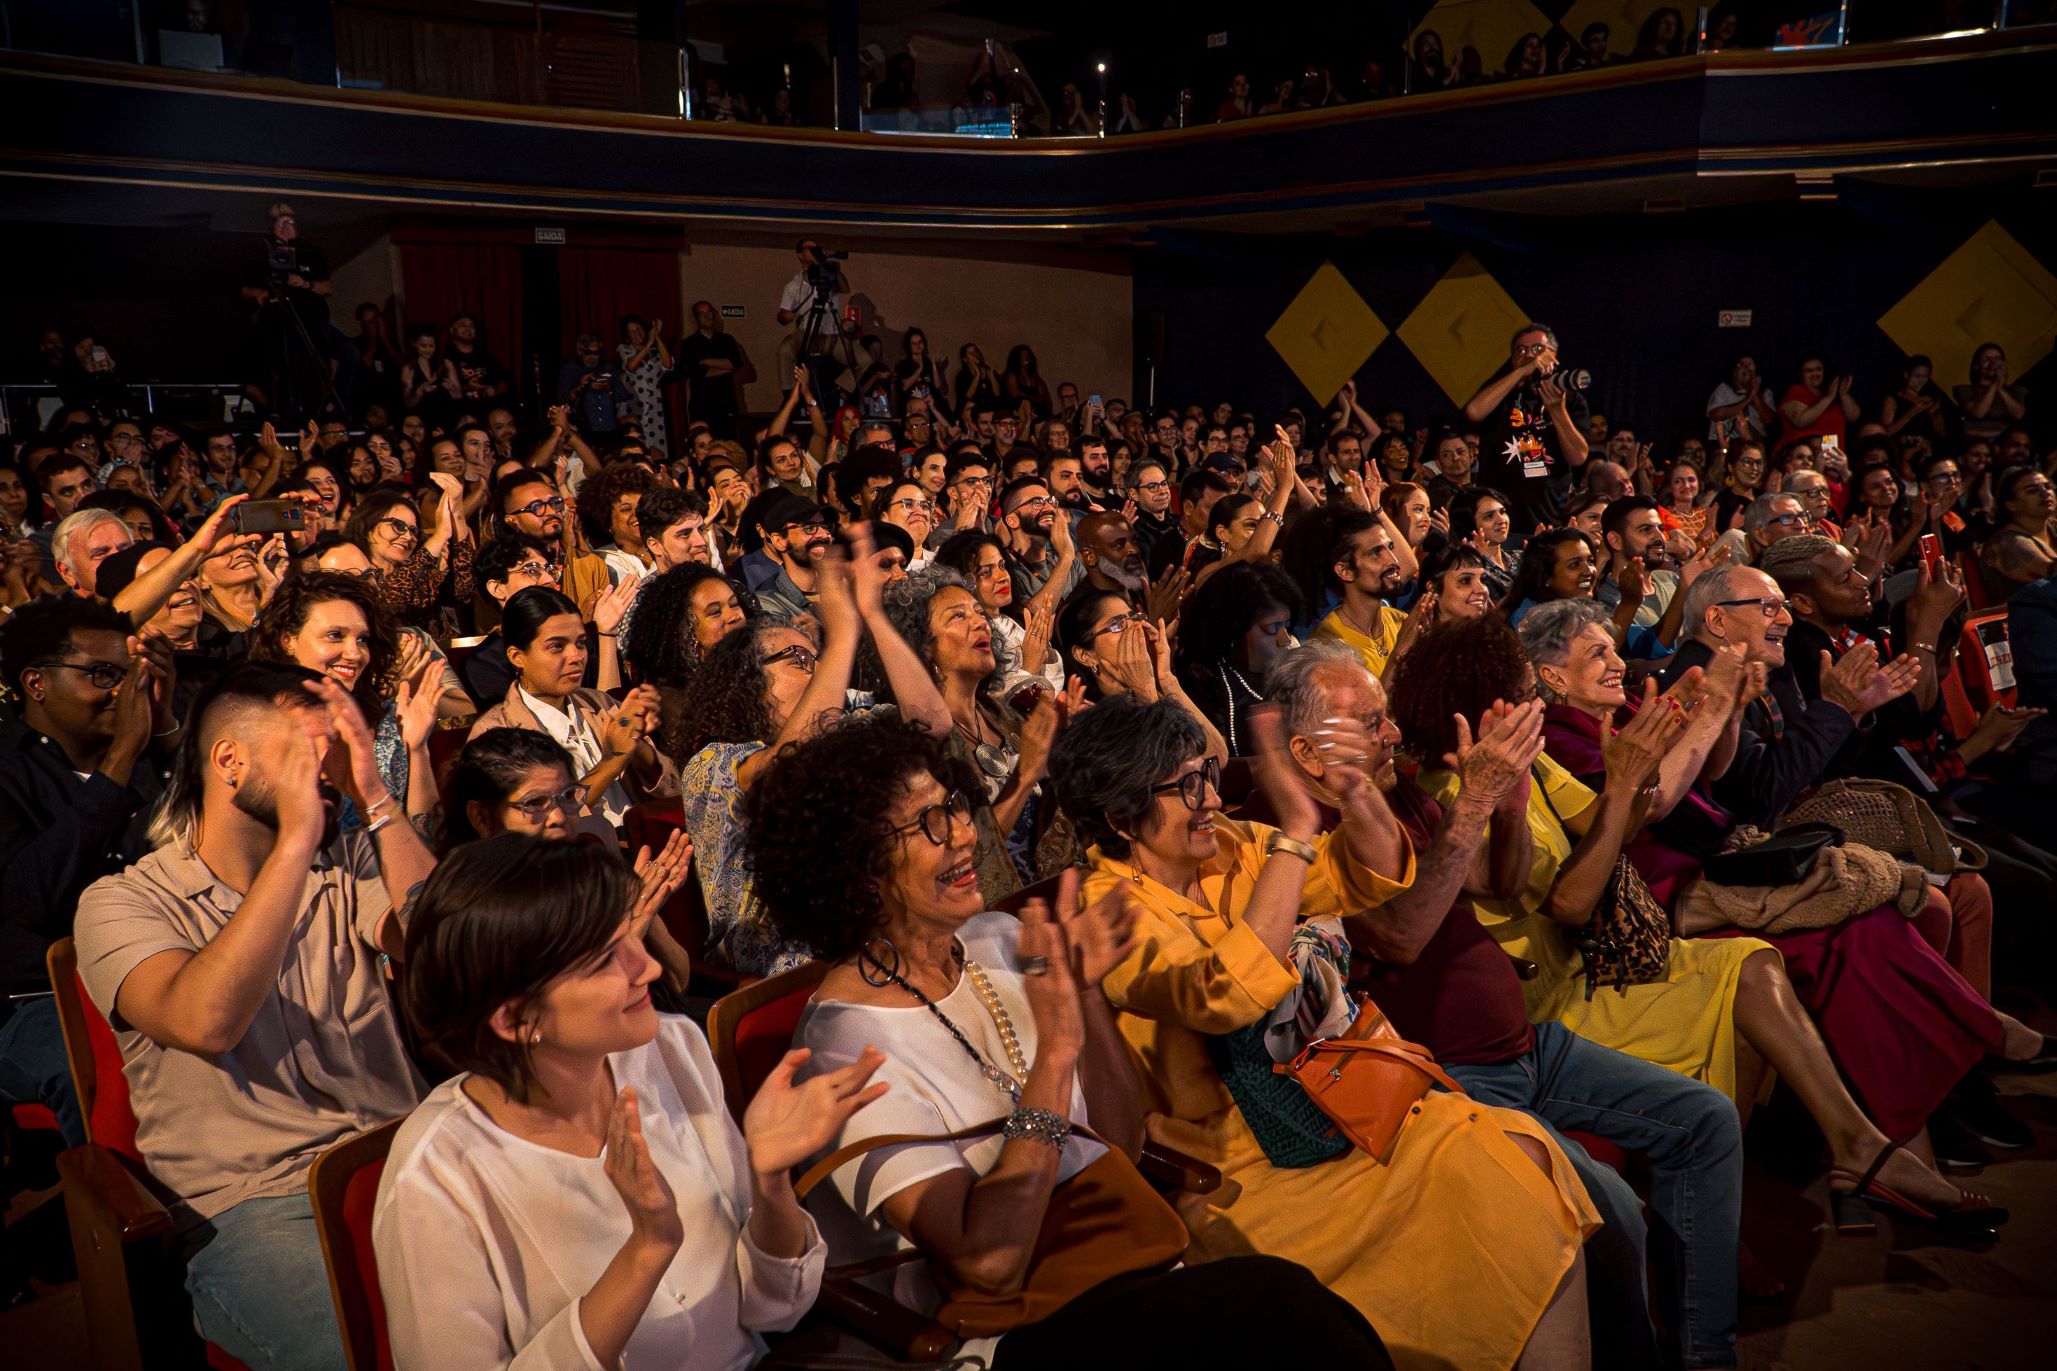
<point>1413,1054</point>
<point>827,1166</point>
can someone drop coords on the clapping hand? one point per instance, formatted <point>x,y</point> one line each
<point>659,877</point>
<point>613,603</point>
<point>653,1209</point>
<point>353,765</point>
<point>786,1123</point>
<point>1099,936</point>
<point>1859,684</point>
<point>1280,777</point>
<point>1166,592</point>
<point>1632,755</point>
<point>1495,767</point>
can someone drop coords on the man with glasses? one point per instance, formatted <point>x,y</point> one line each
<point>505,566</point>
<point>81,768</point>
<point>1197,493</point>
<point>797,537</point>
<point>968,481</point>
<point>1811,489</point>
<point>1532,430</point>
<point>1785,743</point>
<point>1038,539</point>
<point>1766,520</point>
<point>1150,488</point>
<point>530,504</point>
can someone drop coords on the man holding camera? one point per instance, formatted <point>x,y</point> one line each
<point>818,280</point>
<point>303,350</point>
<point>1532,430</point>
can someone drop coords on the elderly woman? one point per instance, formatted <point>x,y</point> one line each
<point>1724,1008</point>
<point>578,1194</point>
<point>1903,1025</point>
<point>1021,632</point>
<point>984,1018</point>
<point>765,686</point>
<point>1475,1204</point>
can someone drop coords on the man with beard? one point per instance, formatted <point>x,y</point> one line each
<point>1096,471</point>
<point>1114,564</point>
<point>529,503</point>
<point>1063,473</point>
<point>1642,568</point>
<point>796,536</point>
<point>1365,571</point>
<point>1036,539</point>
<point>1532,430</point>
<point>240,965</point>
<point>1431,965</point>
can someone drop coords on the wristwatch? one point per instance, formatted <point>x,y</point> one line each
<point>1292,847</point>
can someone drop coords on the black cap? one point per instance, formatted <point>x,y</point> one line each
<point>792,510</point>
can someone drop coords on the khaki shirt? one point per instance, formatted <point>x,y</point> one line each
<point>321,1061</point>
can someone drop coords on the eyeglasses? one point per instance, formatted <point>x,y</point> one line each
<point>974,482</point>
<point>935,822</point>
<point>1783,520</point>
<point>103,675</point>
<point>567,799</point>
<point>1194,785</point>
<point>910,504</point>
<point>1154,486</point>
<point>1119,624</point>
<point>399,530</point>
<point>1946,478</point>
<point>1033,502</point>
<point>553,505</point>
<point>1771,605</point>
<point>799,655</point>
<point>534,567</point>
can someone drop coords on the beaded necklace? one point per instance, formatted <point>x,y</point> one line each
<point>869,962</point>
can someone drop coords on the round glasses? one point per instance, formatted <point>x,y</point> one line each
<point>1194,785</point>
<point>935,821</point>
<point>567,799</point>
<point>102,675</point>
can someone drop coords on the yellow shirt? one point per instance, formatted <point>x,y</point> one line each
<point>1376,652</point>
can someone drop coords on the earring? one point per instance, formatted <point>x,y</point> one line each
<point>535,1035</point>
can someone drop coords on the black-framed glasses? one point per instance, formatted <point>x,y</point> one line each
<point>538,508</point>
<point>1771,606</point>
<point>399,530</point>
<point>799,654</point>
<point>1154,486</point>
<point>567,799</point>
<point>1194,785</point>
<point>936,821</point>
<point>1946,478</point>
<point>1033,502</point>
<point>1786,520</point>
<point>103,675</point>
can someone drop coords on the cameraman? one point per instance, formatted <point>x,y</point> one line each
<point>292,282</point>
<point>1532,431</point>
<point>797,300</point>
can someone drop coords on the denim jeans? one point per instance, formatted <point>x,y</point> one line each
<point>33,1067</point>
<point>1691,1136</point>
<point>260,1288</point>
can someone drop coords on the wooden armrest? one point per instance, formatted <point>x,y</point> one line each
<point>97,1179</point>
<point>881,1320</point>
<point>1170,1169</point>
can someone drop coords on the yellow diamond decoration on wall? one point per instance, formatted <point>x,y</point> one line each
<point>1459,331</point>
<point>1991,290</point>
<point>1327,333</point>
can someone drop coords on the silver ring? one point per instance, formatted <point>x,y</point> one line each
<point>1035,966</point>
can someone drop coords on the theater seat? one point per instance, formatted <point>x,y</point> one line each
<point>444,745</point>
<point>129,1280</point>
<point>34,1118</point>
<point>651,825</point>
<point>343,1187</point>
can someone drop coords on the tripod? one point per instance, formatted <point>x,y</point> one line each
<point>280,338</point>
<point>821,319</point>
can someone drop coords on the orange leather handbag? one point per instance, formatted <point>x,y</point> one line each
<point>1367,1081</point>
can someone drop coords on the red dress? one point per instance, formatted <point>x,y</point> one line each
<point>1901,1024</point>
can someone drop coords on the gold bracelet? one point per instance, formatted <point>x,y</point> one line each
<point>1292,847</point>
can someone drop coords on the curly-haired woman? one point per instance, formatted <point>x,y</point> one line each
<point>1474,1205</point>
<point>1230,631</point>
<point>680,617</point>
<point>763,687</point>
<point>331,622</point>
<point>981,1016</point>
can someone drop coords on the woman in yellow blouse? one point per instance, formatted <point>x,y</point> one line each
<point>1719,994</point>
<point>1464,1248</point>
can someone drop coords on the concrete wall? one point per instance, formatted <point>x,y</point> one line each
<point>1072,305</point>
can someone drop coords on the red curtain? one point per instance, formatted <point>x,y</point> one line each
<point>443,279</point>
<point>596,286</point>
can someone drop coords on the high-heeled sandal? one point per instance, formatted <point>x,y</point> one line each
<point>1973,1217</point>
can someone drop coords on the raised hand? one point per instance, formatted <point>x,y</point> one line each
<point>1280,778</point>
<point>620,730</point>
<point>1129,666</point>
<point>303,813</point>
<point>786,1124</point>
<point>211,531</point>
<point>132,718</point>
<point>647,701</point>
<point>1496,765</point>
<point>1935,596</point>
<point>653,1209</point>
<point>613,603</point>
<point>1633,754</point>
<point>415,705</point>
<point>1859,684</point>
<point>1039,732</point>
<point>416,656</point>
<point>1634,581</point>
<point>1166,592</point>
<point>1053,992</point>
<point>659,877</point>
<point>867,577</point>
<point>1101,934</point>
<point>1716,555</point>
<point>153,651</point>
<point>353,765</point>
<point>2000,726</point>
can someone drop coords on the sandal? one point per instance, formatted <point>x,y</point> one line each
<point>1973,1217</point>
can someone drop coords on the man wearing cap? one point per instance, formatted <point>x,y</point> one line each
<point>796,535</point>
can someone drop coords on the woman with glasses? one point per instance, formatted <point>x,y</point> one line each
<point>908,505</point>
<point>1481,520</point>
<point>981,1016</point>
<point>546,645</point>
<point>1723,1010</point>
<point>1474,1205</point>
<point>1903,1026</point>
<point>2024,547</point>
<point>412,572</point>
<point>1230,632</point>
<point>763,687</point>
<point>1022,645</point>
<point>332,623</point>
<point>1742,481</point>
<point>1947,509</point>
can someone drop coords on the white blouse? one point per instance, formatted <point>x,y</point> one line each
<point>937,1089</point>
<point>487,1242</point>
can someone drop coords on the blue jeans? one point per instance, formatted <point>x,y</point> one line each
<point>1694,1143</point>
<point>33,1067</point>
<point>261,1289</point>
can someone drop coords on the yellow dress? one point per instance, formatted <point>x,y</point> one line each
<point>1686,1022</point>
<point>1454,1248</point>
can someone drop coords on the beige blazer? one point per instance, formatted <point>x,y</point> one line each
<point>642,784</point>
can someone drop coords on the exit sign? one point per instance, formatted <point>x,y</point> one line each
<point>733,312</point>
<point>1217,40</point>
<point>550,236</point>
<point>1733,318</point>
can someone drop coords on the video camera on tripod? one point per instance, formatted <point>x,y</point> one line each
<point>822,273</point>
<point>284,263</point>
